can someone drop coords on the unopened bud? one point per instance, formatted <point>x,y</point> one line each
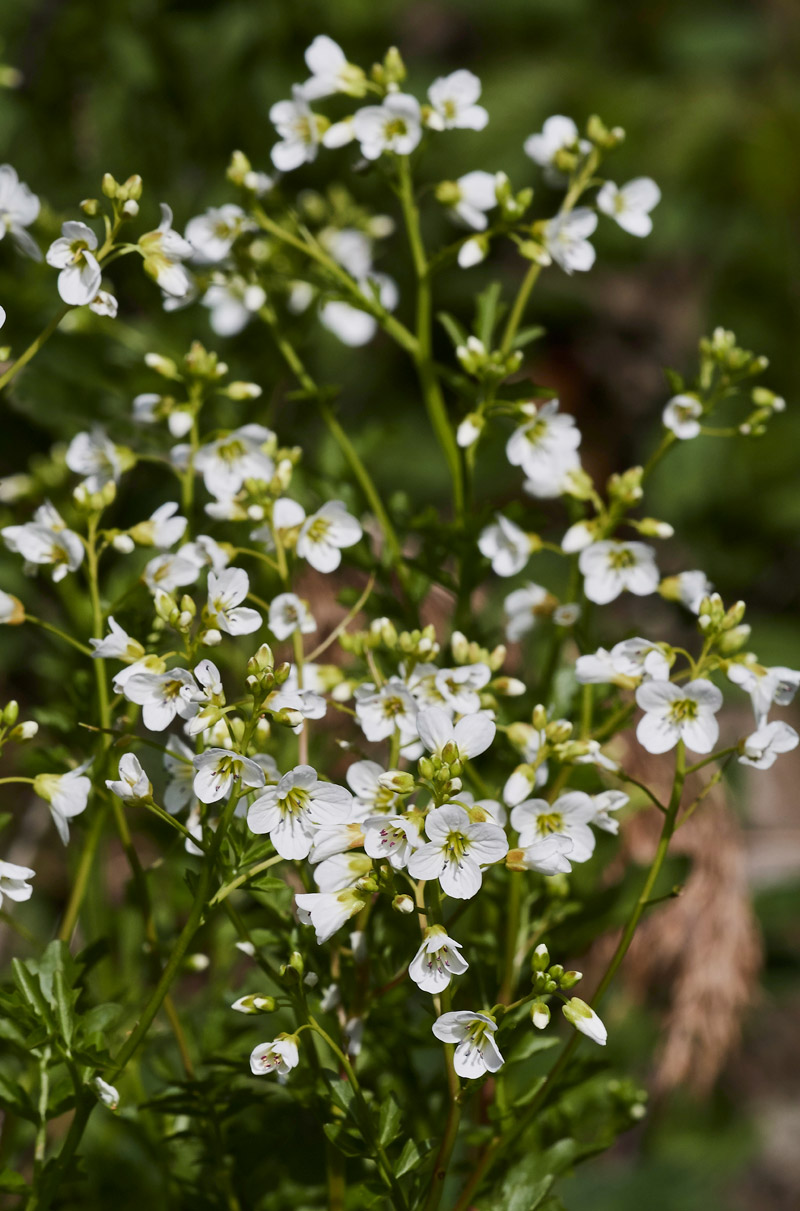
<point>540,959</point>
<point>254,1004</point>
<point>403,904</point>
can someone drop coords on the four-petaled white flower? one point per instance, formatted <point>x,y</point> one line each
<point>325,533</point>
<point>437,961</point>
<point>568,815</point>
<point>765,686</point>
<point>559,133</point>
<point>610,567</point>
<point>630,205</point>
<point>291,811</point>
<point>473,1034</point>
<point>605,802</point>
<point>393,838</point>
<point>19,207</point>
<point>524,607</point>
<point>548,855</point>
<point>160,697</point>
<point>468,738</point>
<point>327,911</point>
<point>46,540</point>
<point>73,253</point>
<point>459,687</point>
<point>94,456</point>
<point>382,711</point>
<point>212,234</point>
<point>14,879</point>
<point>226,591</point>
<point>628,662</point>
<point>363,778</point>
<point>280,1055</point>
<point>566,239</point>
<point>471,197</point>
<point>678,712</point>
<point>546,448</point>
<point>232,303</point>
<point>300,131</point>
<point>682,416</point>
<point>288,613</point>
<point>506,545</point>
<point>227,462</point>
<point>67,795</point>
<point>162,529</point>
<point>218,768</point>
<point>330,71</point>
<point>133,784</point>
<point>457,851</point>
<point>164,250</point>
<point>396,126</point>
<point>762,748</point>
<point>454,102</point>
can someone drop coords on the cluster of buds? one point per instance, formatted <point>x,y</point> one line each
<point>263,678</point>
<point>11,728</point>
<point>547,979</point>
<point>765,404</point>
<point>87,501</point>
<point>625,489</point>
<point>725,627</point>
<point>486,365</point>
<point>720,353</point>
<point>466,651</point>
<point>178,615</point>
<point>124,197</point>
<point>413,646</point>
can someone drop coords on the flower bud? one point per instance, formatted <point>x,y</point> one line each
<point>162,365</point>
<point>211,638</point>
<point>197,962</point>
<point>583,1018</point>
<point>130,208</point>
<point>403,904</point>
<point>570,979</point>
<point>11,712</point>
<point>397,780</point>
<point>540,1014</point>
<point>25,731</point>
<point>109,185</point>
<point>240,391</point>
<point>540,959</point>
<point>254,1004</point>
<point>123,543</point>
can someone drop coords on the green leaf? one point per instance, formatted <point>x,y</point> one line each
<point>488,312</point>
<point>14,1097</point>
<point>12,1183</point>
<point>456,331</point>
<point>389,1121</point>
<point>343,1138</point>
<point>526,335</point>
<point>531,1044</point>
<point>28,984</point>
<point>408,1158</point>
<point>64,999</point>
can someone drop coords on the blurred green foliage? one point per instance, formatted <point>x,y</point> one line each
<point>709,94</point>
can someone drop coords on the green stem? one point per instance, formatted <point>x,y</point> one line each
<point>518,309</point>
<point>48,626</point>
<point>34,347</point>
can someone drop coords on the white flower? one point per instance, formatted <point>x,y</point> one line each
<point>546,855</point>
<point>681,415</point>
<point>523,608</point>
<point>218,769</point>
<point>605,802</point>
<point>232,304</point>
<point>165,573</point>
<point>506,545</point>
<point>163,251</point>
<point>611,566</point>
<point>566,239</point>
<point>12,611</point>
<point>299,131</point>
<point>280,1055</point>
<point>437,961</point>
<point>473,1033</point>
<point>328,911</point>
<point>287,515</point>
<point>546,448</point>
<point>678,712</point>
<point>94,456</point>
<point>459,687</point>
<point>107,1094</point>
<point>396,126</point>
<point>227,462</point>
<point>46,540</point>
<point>289,613</point>
<point>363,778</point>
<point>692,587</point>
<point>104,303</point>
<point>457,851</point>
<point>469,430</point>
<point>630,205</point>
<point>178,762</point>
<point>225,591</point>
<point>292,810</point>
<point>212,234</point>
<point>350,324</point>
<point>559,133</point>
<point>67,795</point>
<point>583,1018</point>
<point>471,197</point>
<point>18,209</point>
<point>133,784</point>
<point>330,71</point>
<point>323,535</point>
<point>14,879</point>
<point>454,100</point>
<point>341,871</point>
<point>73,253</point>
<point>765,686</point>
<point>762,748</point>
<point>162,529</point>
<point>382,711</point>
<point>568,815</point>
<point>159,695</point>
<point>626,663</point>
<point>393,838</point>
<point>468,738</point>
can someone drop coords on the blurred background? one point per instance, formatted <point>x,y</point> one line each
<point>709,94</point>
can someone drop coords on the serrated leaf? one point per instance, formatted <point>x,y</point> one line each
<point>28,984</point>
